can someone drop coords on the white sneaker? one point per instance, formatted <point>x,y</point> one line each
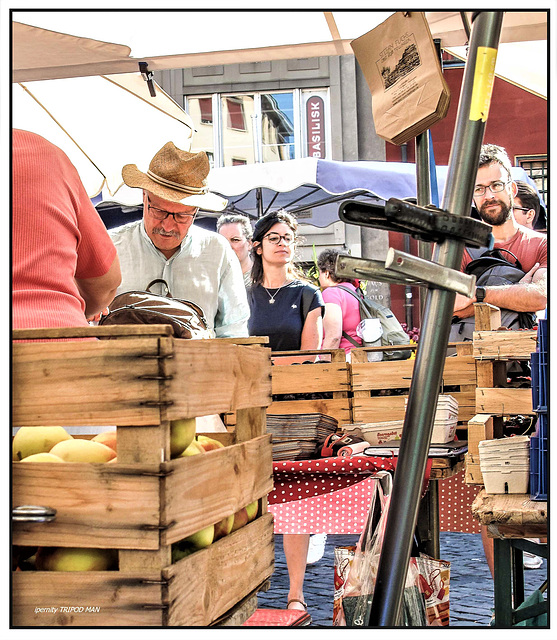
<point>316,547</point>
<point>531,561</point>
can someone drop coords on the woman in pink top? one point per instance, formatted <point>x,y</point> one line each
<point>64,265</point>
<point>342,310</point>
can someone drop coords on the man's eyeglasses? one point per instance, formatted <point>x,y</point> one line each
<point>494,187</point>
<point>521,209</point>
<point>161,214</point>
<point>275,238</point>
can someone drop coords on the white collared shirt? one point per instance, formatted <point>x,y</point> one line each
<point>204,270</point>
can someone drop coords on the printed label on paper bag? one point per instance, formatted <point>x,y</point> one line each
<point>484,77</point>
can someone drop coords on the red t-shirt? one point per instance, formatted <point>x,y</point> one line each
<point>57,235</point>
<point>527,245</point>
<point>350,312</point>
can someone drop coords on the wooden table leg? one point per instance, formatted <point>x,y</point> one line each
<point>502,592</point>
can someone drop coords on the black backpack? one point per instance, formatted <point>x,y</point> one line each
<point>393,333</point>
<point>492,268</point>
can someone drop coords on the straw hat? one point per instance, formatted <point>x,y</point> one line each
<point>177,176</point>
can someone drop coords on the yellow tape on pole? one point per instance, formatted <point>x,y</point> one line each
<point>484,78</point>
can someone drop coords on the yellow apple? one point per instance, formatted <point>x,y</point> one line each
<point>194,449</point>
<point>209,443</point>
<point>224,527</point>
<point>179,552</point>
<point>73,559</point>
<point>251,509</point>
<point>240,519</point>
<point>42,457</point>
<point>30,440</point>
<point>182,433</point>
<point>79,450</point>
<point>202,538</point>
<point>108,438</point>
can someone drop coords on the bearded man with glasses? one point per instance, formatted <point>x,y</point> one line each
<point>197,264</point>
<point>494,193</point>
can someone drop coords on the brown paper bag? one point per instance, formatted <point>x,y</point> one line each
<point>403,71</point>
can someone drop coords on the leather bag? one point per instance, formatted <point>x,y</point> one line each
<point>144,307</point>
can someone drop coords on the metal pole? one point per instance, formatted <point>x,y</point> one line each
<point>423,193</point>
<point>422,401</point>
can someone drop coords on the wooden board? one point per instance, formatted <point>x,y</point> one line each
<point>41,598</point>
<point>504,345</point>
<point>209,583</point>
<point>96,504</point>
<point>511,515</point>
<point>507,401</point>
<point>386,408</point>
<point>459,370</point>
<point>212,486</point>
<point>311,378</point>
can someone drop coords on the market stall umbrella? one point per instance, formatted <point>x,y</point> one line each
<point>43,48</point>
<point>101,123</point>
<point>312,188</point>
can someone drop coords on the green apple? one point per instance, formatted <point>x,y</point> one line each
<point>193,449</point>
<point>182,433</point>
<point>251,509</point>
<point>202,538</point>
<point>224,527</point>
<point>179,552</point>
<point>74,559</point>
<point>209,443</point>
<point>30,440</point>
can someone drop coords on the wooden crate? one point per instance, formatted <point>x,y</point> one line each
<point>140,380</point>
<point>369,378</point>
<point>480,427</point>
<point>324,378</point>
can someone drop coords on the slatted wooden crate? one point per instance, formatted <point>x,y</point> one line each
<point>369,379</point>
<point>139,380</point>
<point>492,351</point>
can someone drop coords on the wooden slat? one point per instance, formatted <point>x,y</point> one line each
<point>510,510</point>
<point>386,408</point>
<point>123,599</point>
<point>310,378</point>
<point>504,345</point>
<point>120,331</point>
<point>338,408</point>
<point>85,383</point>
<point>459,370</point>
<point>504,401</point>
<point>486,316</point>
<point>210,376</point>
<point>96,504</point>
<point>207,584</point>
<point>203,489</point>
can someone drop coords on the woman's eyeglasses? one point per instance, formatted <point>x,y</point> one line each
<point>160,214</point>
<point>494,187</point>
<point>275,238</point>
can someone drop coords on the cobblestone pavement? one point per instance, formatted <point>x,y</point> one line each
<point>471,585</point>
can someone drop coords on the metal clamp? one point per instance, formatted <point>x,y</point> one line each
<point>32,513</point>
<point>436,275</point>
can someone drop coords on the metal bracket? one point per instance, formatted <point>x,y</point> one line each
<point>32,513</point>
<point>401,268</point>
<point>436,275</point>
<point>429,224</point>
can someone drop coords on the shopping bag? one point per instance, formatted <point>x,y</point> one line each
<point>343,560</point>
<point>403,71</point>
<point>433,581</point>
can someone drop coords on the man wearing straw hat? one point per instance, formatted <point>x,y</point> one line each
<point>197,264</point>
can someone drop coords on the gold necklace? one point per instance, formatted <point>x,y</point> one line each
<point>272,297</point>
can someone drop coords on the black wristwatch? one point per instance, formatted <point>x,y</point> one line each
<point>480,294</point>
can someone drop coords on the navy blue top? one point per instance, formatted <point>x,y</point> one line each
<point>282,320</point>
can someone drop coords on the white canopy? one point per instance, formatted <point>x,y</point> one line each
<point>174,39</point>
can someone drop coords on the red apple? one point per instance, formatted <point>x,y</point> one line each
<point>224,527</point>
<point>240,519</point>
<point>107,438</point>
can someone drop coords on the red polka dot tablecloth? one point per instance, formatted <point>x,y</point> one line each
<point>330,495</point>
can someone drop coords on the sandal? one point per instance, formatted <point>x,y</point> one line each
<point>306,621</point>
